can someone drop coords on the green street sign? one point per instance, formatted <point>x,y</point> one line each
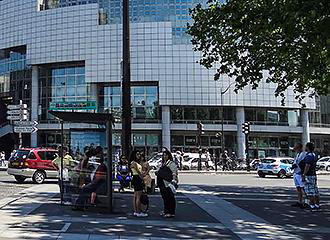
<point>78,105</point>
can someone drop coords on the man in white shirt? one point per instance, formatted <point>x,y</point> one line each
<point>297,178</point>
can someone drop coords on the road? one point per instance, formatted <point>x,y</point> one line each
<point>10,188</point>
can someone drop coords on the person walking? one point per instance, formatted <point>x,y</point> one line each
<point>2,158</point>
<point>167,180</point>
<point>225,161</point>
<point>308,167</point>
<point>297,178</point>
<point>137,181</point>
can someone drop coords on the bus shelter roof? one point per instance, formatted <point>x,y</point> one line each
<point>83,117</point>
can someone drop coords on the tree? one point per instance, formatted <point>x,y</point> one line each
<point>288,39</point>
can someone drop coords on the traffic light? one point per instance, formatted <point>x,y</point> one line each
<point>246,128</point>
<point>200,128</point>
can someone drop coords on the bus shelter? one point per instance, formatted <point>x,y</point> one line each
<point>105,119</point>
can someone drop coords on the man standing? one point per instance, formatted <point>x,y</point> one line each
<point>297,178</point>
<point>308,167</point>
<point>67,160</point>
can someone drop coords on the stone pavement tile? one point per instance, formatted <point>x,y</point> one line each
<point>149,231</point>
<point>24,235</point>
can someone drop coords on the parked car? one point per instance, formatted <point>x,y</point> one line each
<point>323,163</point>
<point>192,163</point>
<point>155,162</point>
<point>254,164</point>
<point>35,163</point>
<point>280,166</point>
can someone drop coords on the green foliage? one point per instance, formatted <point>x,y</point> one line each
<point>287,38</point>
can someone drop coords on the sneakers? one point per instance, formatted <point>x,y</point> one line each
<point>141,215</point>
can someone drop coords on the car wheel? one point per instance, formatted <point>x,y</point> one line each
<point>281,174</point>
<point>261,174</point>
<point>328,168</point>
<point>39,177</point>
<point>19,179</point>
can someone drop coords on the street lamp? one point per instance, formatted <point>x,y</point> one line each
<point>126,84</point>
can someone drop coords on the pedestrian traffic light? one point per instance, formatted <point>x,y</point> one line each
<point>246,128</point>
<point>200,128</point>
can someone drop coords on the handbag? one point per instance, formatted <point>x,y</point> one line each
<point>165,173</point>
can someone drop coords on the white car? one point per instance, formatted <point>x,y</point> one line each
<point>156,161</point>
<point>192,163</point>
<point>323,163</point>
<point>280,166</point>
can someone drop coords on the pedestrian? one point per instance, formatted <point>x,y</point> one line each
<point>96,186</point>
<point>208,159</point>
<point>137,181</point>
<point>147,180</point>
<point>308,168</point>
<point>2,158</point>
<point>297,178</point>
<point>167,181</point>
<point>67,161</point>
<point>225,161</point>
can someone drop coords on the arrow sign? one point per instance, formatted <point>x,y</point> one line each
<point>12,107</point>
<point>26,123</point>
<point>14,117</point>
<point>21,111</point>
<point>25,129</point>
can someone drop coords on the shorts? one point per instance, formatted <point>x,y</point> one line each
<point>311,188</point>
<point>298,182</point>
<point>137,183</point>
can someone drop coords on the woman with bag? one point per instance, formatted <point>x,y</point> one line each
<point>137,182</point>
<point>167,179</point>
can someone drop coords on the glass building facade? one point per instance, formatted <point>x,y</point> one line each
<point>58,52</point>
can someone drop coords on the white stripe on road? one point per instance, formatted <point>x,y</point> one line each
<point>244,224</point>
<point>65,227</point>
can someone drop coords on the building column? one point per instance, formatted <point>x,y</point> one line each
<point>305,137</point>
<point>34,108</point>
<point>166,127</point>
<point>240,137</point>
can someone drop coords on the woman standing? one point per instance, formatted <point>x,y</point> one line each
<point>137,182</point>
<point>167,179</point>
<point>147,180</point>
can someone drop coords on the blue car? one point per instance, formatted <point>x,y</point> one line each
<point>280,166</point>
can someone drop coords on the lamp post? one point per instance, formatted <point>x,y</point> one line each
<point>222,117</point>
<point>126,84</point>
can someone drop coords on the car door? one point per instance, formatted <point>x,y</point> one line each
<point>51,170</point>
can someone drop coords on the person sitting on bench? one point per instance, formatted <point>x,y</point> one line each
<point>97,185</point>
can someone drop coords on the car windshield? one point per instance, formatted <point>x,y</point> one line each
<point>19,154</point>
<point>323,160</point>
<point>268,160</point>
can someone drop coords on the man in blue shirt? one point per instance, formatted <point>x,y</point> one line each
<point>308,167</point>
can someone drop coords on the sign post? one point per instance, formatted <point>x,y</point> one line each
<point>18,116</point>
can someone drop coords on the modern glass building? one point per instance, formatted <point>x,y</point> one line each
<point>66,54</point>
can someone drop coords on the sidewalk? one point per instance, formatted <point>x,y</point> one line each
<point>201,214</point>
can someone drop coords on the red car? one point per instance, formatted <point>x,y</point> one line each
<point>35,163</point>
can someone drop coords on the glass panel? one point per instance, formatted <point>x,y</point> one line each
<point>80,79</point>
<point>189,114</point>
<point>214,114</point>
<point>139,101</point>
<point>138,90</point>
<point>70,80</point>
<point>151,101</point>
<point>176,113</point>
<point>80,70</point>
<point>81,90</point>
<point>115,90</point>
<point>151,90</point>
<point>190,140</point>
<point>115,101</point>
<point>152,140</point>
<point>70,91</point>
<point>151,113</point>
<point>202,114</point>
<point>138,139</point>
<point>177,140</point>
<point>272,116</point>
<point>70,71</point>
<point>60,91</point>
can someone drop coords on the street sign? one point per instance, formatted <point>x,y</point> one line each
<point>77,105</point>
<point>21,111</point>
<point>26,123</point>
<point>25,129</point>
<point>14,117</point>
<point>12,107</point>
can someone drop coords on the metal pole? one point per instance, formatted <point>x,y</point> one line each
<point>126,84</point>
<point>62,165</point>
<point>200,151</point>
<point>222,123</point>
<point>109,169</point>
<point>247,152</point>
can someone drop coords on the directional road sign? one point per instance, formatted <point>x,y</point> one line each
<point>25,129</point>
<point>13,117</point>
<point>21,111</point>
<point>12,107</point>
<point>26,123</point>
